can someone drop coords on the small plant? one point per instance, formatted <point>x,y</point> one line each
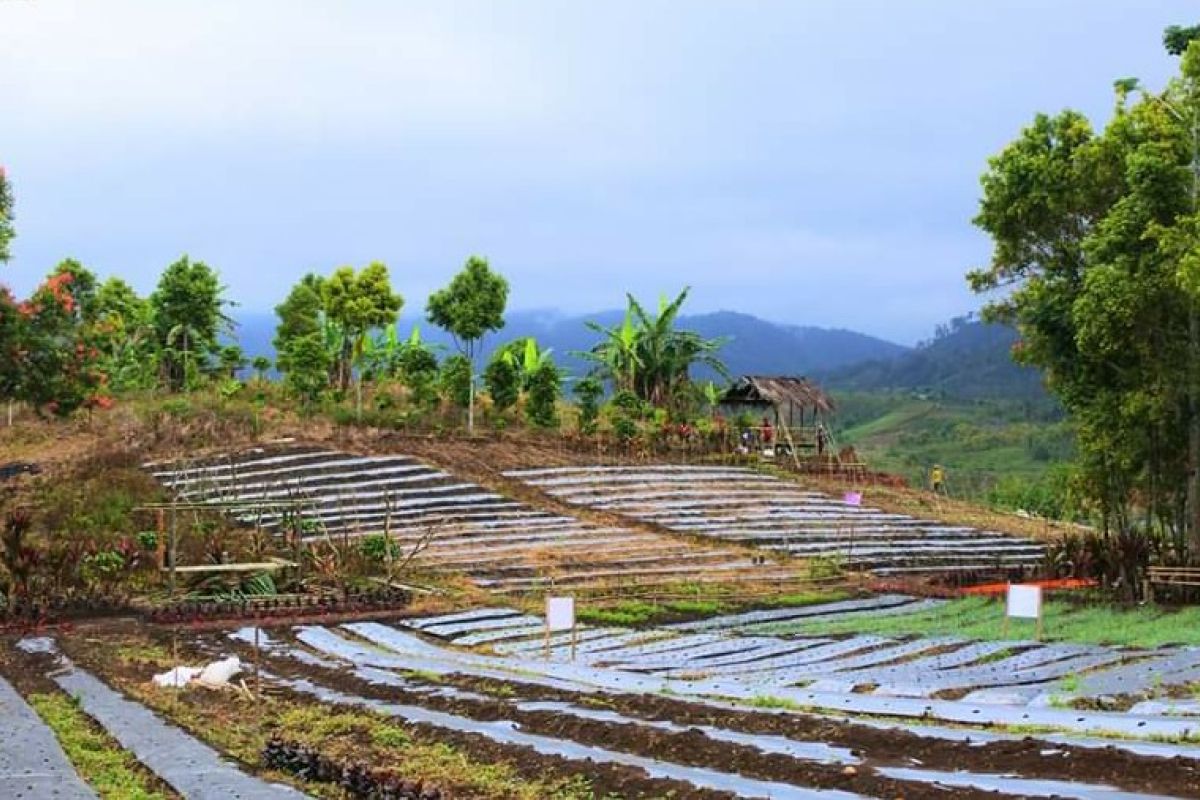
<point>104,564</point>
<point>147,540</point>
<point>378,548</point>
<point>770,701</point>
<point>588,392</point>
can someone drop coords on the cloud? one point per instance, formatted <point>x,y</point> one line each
<point>219,66</point>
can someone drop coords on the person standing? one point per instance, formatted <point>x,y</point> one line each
<point>937,479</point>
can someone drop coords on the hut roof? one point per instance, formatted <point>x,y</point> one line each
<point>777,391</point>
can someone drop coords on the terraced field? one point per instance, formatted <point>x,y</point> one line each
<point>740,505</point>
<point>738,654</point>
<point>708,709</point>
<point>605,703</point>
<point>501,543</point>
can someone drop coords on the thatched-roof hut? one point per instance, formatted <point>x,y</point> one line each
<point>792,401</point>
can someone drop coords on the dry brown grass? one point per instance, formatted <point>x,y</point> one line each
<point>926,504</point>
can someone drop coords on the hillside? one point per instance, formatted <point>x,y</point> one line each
<point>756,345</point>
<point>966,360</point>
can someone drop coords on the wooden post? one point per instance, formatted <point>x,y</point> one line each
<point>1004,611</point>
<point>257,673</point>
<point>172,550</point>
<point>574,640</point>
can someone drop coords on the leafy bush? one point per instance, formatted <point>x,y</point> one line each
<point>545,386</point>
<point>588,392</point>
<point>503,382</point>
<point>454,380</point>
<point>378,548</point>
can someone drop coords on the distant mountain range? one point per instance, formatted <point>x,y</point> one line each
<point>755,346</point>
<point>966,359</point>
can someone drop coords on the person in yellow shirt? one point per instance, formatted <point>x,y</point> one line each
<point>937,479</point>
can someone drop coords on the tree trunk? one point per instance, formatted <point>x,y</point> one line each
<point>471,402</point>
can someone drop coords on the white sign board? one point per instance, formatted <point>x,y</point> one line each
<point>1024,602</point>
<point>560,613</point>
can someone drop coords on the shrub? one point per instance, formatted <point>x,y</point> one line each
<point>378,548</point>
<point>545,387</point>
<point>503,382</point>
<point>454,380</point>
<point>588,392</point>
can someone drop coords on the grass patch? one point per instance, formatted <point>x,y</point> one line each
<point>811,597</point>
<point>626,612</point>
<point>770,701</point>
<point>641,612</point>
<point>100,761</point>
<point>632,613</point>
<point>241,728</point>
<point>983,618</point>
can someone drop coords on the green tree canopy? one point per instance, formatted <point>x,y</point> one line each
<point>188,317</point>
<point>648,356</point>
<point>358,303</point>
<point>299,316</point>
<point>1092,237</point>
<point>469,308</point>
<point>7,231</point>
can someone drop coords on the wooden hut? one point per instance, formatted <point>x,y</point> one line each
<point>794,403</point>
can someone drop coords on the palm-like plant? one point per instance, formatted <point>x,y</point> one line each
<point>648,356</point>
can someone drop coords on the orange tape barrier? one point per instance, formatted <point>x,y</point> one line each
<point>1050,585</point>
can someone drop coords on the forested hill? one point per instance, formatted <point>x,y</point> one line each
<point>967,359</point>
<point>755,346</point>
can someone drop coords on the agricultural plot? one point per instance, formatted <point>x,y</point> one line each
<point>740,505</point>
<point>732,656</point>
<point>502,544</point>
<point>633,713</point>
<point>32,764</point>
<point>187,765</point>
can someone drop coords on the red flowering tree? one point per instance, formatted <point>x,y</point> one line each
<point>49,358</point>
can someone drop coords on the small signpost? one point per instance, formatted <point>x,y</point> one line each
<point>1024,601</point>
<point>854,500</point>
<point>560,616</point>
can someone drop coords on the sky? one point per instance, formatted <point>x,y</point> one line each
<point>813,162</point>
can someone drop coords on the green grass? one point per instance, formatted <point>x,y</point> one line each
<point>108,769</point>
<point>809,598</point>
<point>982,618</point>
<point>640,612</point>
<point>980,443</point>
<point>770,701</point>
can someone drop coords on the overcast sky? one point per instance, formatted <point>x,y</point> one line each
<point>812,162</point>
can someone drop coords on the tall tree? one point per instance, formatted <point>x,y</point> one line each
<point>299,316</point>
<point>357,304</point>
<point>188,317</point>
<point>1092,236</point>
<point>471,306</point>
<point>7,232</point>
<point>124,325</point>
<point>55,360</point>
